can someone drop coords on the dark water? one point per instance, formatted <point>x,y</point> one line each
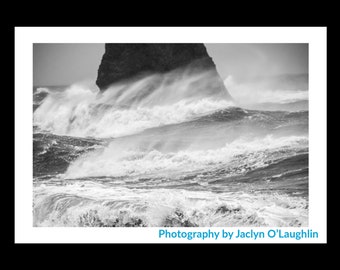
<point>197,162</point>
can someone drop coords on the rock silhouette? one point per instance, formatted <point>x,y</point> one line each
<point>129,61</point>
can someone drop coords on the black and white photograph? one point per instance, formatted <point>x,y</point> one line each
<point>170,134</point>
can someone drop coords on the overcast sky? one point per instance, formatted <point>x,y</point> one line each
<point>61,64</point>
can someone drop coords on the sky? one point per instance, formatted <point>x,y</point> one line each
<point>63,64</point>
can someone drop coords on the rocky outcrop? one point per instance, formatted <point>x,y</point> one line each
<point>125,61</point>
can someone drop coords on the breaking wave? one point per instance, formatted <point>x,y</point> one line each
<point>168,150</point>
<point>239,156</point>
<point>92,205</point>
<point>85,112</point>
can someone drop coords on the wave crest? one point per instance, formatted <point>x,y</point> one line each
<point>117,161</point>
<point>92,205</point>
<point>126,109</point>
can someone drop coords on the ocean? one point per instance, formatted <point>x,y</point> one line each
<point>170,158</point>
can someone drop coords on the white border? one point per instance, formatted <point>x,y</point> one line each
<point>26,36</point>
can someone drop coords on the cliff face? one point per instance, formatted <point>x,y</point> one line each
<point>124,61</point>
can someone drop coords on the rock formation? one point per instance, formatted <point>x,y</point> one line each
<point>125,61</point>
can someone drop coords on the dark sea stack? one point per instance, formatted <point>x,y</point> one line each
<point>125,61</point>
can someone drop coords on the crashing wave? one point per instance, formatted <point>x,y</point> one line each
<point>125,109</point>
<point>94,205</point>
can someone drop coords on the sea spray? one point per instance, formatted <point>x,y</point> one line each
<point>166,158</point>
<point>126,109</point>
<point>93,204</point>
<point>136,157</point>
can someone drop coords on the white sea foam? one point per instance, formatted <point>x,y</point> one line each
<point>69,205</point>
<point>126,109</point>
<point>162,153</point>
<point>42,90</point>
<point>129,158</point>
